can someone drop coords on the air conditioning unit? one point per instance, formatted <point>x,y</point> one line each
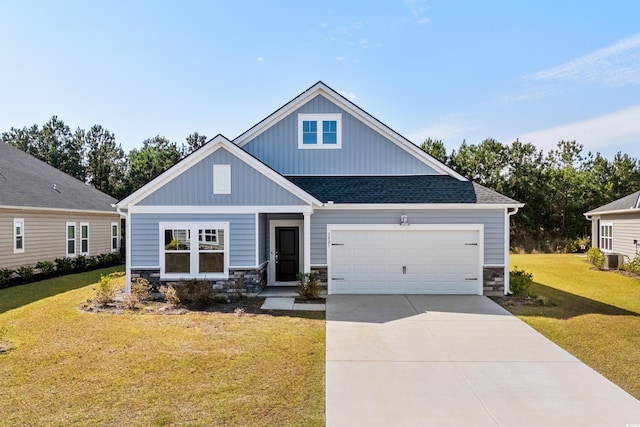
<point>612,261</point>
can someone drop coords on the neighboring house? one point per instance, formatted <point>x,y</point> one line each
<point>319,185</point>
<point>46,214</point>
<point>615,227</point>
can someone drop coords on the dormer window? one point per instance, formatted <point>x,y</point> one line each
<point>319,131</point>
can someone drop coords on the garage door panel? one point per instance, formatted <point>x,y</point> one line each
<point>411,261</point>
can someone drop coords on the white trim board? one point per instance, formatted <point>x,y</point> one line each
<point>272,244</point>
<point>137,209</point>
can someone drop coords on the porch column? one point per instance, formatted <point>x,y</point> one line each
<point>307,243</point>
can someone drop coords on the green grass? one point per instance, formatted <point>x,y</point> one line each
<point>595,315</point>
<point>70,367</point>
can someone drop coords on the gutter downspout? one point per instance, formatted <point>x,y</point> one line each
<point>507,241</point>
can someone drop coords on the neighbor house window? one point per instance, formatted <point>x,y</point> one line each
<point>221,179</point>
<point>84,238</point>
<point>18,235</point>
<point>114,236</point>
<point>71,239</point>
<point>194,250</point>
<point>319,131</point>
<point>606,237</point>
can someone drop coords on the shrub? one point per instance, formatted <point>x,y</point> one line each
<point>140,289</point>
<point>25,272</point>
<point>64,265</point>
<point>632,266</point>
<point>80,263</point>
<point>519,282</point>
<point>596,257</point>
<point>308,285</point>
<point>196,291</point>
<point>170,295</point>
<point>46,267</point>
<point>5,275</point>
<point>105,291</point>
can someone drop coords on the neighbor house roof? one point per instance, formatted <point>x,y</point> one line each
<point>420,189</point>
<point>624,204</point>
<point>27,182</point>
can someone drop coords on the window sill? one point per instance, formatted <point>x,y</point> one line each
<point>174,277</point>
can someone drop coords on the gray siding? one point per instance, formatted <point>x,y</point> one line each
<point>364,151</point>
<point>264,238</point>
<point>145,235</point>
<point>626,229</point>
<point>195,186</point>
<point>45,236</point>
<point>493,221</point>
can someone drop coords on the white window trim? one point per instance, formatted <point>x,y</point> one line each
<point>194,250</point>
<point>319,118</point>
<point>221,179</point>
<point>117,237</point>
<point>17,221</point>
<point>84,224</point>
<point>67,239</point>
<point>609,238</point>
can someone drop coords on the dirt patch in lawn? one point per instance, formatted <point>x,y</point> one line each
<point>522,301</point>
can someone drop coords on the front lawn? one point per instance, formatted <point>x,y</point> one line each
<point>595,315</point>
<point>70,367</point>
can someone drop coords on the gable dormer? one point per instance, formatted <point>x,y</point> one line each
<point>322,133</point>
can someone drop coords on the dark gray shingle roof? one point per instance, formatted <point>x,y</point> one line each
<point>397,189</point>
<point>28,182</point>
<point>627,202</point>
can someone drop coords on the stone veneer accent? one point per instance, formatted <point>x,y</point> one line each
<point>240,282</point>
<point>493,280</point>
<point>323,278</point>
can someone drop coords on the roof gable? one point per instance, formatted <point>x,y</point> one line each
<point>177,179</point>
<point>341,102</point>
<point>27,182</point>
<point>628,203</point>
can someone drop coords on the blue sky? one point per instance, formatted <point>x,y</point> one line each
<point>539,71</point>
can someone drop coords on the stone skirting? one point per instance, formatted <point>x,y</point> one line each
<point>493,280</point>
<point>240,282</point>
<point>323,278</point>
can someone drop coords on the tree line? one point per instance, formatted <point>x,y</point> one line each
<point>557,187</point>
<point>94,157</point>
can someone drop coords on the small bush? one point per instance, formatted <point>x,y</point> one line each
<point>170,295</point>
<point>308,286</point>
<point>64,265</point>
<point>46,267</point>
<point>520,282</point>
<point>105,291</point>
<point>596,257</point>
<point>80,263</point>
<point>25,272</point>
<point>140,289</point>
<point>5,275</point>
<point>632,266</point>
<point>196,292</point>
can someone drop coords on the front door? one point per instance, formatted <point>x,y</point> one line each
<point>287,254</point>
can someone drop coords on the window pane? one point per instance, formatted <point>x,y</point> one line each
<point>18,229</point>
<point>84,231</point>
<point>71,247</point>
<point>211,262</point>
<point>114,243</point>
<point>177,262</point>
<point>85,246</point>
<point>309,132</point>
<point>329,133</point>
<point>211,240</point>
<point>114,230</point>
<point>19,242</point>
<point>71,231</point>
<point>176,240</point>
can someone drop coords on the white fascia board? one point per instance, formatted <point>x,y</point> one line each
<point>619,211</point>
<point>58,210</point>
<point>324,90</point>
<point>211,147</point>
<point>421,206</point>
<point>136,209</point>
<point>410,227</point>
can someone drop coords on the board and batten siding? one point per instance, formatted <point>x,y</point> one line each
<point>194,187</point>
<point>493,221</point>
<point>45,236</point>
<point>145,236</point>
<point>364,151</point>
<point>626,229</point>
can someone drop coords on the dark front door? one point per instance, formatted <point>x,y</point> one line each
<point>287,254</point>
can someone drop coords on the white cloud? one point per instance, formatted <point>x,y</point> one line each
<point>260,59</point>
<point>351,96</point>
<point>602,132</point>
<point>615,65</point>
<point>423,21</point>
<point>450,128</point>
<point>339,58</point>
<point>418,8</point>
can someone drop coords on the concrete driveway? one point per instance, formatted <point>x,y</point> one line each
<point>431,360</point>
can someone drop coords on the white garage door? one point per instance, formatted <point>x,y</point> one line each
<point>405,261</point>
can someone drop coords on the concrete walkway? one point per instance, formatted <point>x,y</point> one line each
<point>431,360</point>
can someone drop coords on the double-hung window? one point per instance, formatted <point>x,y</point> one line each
<point>319,131</point>
<point>606,237</point>
<point>114,237</point>
<point>84,238</point>
<point>18,235</point>
<point>194,250</point>
<point>71,239</point>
